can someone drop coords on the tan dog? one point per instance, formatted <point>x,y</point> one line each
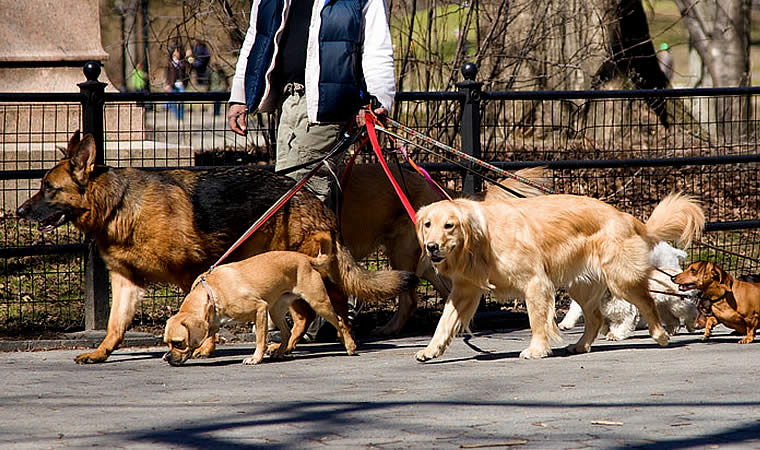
<point>734,303</point>
<point>372,216</point>
<point>527,248</point>
<point>246,291</point>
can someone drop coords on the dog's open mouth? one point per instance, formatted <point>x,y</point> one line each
<point>436,259</point>
<point>52,222</point>
<point>687,287</point>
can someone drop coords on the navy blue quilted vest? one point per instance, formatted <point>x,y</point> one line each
<point>342,90</point>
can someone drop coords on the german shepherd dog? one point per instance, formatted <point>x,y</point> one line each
<point>171,225</point>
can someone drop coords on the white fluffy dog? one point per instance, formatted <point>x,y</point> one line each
<point>621,318</point>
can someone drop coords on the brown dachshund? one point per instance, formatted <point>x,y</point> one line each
<point>734,303</point>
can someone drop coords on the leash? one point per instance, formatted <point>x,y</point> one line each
<point>442,192</point>
<point>455,162</point>
<point>370,122</point>
<point>664,273</point>
<point>340,146</point>
<point>465,156</point>
<point>675,294</point>
<point>209,292</point>
<point>350,165</point>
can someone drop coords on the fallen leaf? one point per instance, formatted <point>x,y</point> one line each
<point>606,422</point>
<point>495,444</point>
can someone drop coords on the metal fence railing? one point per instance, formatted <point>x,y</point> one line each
<point>628,148</point>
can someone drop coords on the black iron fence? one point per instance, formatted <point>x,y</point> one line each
<point>629,148</point>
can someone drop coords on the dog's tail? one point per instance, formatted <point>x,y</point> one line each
<point>369,285</point>
<point>323,262</point>
<point>678,217</point>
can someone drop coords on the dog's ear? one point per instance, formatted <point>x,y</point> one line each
<point>73,145</point>
<point>718,274</point>
<point>83,158</point>
<point>197,330</point>
<point>476,247</point>
<point>174,330</point>
<point>421,219</point>
<point>474,227</point>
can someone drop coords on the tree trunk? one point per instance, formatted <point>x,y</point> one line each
<point>719,31</point>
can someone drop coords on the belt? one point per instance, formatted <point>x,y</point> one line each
<point>293,88</point>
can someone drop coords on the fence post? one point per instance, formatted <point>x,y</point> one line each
<point>96,287</point>
<point>470,126</point>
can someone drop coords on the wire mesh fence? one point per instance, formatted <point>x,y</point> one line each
<point>629,149</point>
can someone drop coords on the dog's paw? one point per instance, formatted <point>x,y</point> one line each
<point>662,339</point>
<point>746,340</point>
<point>424,355</point>
<point>91,358</point>
<point>252,360</point>
<point>614,337</point>
<point>199,353</point>
<point>535,353</point>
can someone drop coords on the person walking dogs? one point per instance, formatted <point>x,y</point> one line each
<point>320,62</point>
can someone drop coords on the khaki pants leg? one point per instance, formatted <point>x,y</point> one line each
<point>299,141</point>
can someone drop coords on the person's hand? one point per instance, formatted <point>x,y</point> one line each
<point>379,112</point>
<point>236,118</point>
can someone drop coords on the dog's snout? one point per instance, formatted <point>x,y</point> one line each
<point>169,357</point>
<point>673,278</point>
<point>431,247</point>
<point>22,210</point>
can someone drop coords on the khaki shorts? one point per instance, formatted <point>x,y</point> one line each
<point>299,141</point>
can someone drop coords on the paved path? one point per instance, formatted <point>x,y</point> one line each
<point>478,395</point>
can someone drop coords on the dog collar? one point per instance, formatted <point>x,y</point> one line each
<point>209,292</point>
<point>714,300</point>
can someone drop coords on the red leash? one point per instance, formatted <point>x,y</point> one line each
<point>370,123</point>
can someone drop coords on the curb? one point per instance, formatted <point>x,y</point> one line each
<point>92,338</point>
<point>82,339</point>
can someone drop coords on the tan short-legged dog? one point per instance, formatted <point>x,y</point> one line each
<point>527,248</point>
<point>734,303</point>
<point>246,291</point>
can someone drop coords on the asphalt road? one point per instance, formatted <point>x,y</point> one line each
<point>479,394</point>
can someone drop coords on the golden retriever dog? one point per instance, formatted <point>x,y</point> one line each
<point>245,291</point>
<point>527,248</point>
<point>372,216</point>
